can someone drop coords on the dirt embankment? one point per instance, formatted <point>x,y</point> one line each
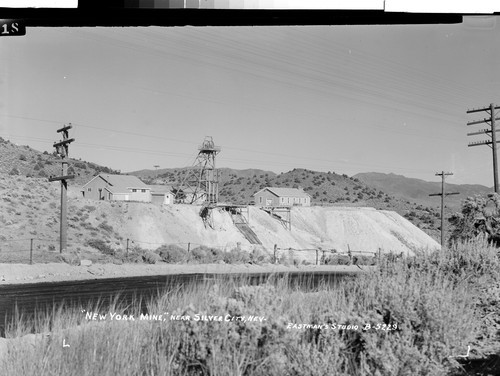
<point>358,229</point>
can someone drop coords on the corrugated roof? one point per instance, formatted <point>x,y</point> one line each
<point>121,183</point>
<point>287,192</point>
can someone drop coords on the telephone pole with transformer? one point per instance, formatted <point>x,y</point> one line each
<point>62,151</point>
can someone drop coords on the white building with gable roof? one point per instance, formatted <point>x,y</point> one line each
<point>274,196</point>
<point>116,188</point>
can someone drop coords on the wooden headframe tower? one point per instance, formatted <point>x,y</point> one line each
<point>201,183</point>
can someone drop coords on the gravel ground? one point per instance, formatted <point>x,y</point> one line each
<point>52,272</point>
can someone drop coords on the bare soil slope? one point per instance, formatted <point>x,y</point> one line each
<point>360,229</point>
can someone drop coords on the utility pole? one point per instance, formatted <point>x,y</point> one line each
<point>443,194</point>
<point>490,132</point>
<point>62,150</point>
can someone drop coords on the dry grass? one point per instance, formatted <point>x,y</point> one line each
<point>431,300</point>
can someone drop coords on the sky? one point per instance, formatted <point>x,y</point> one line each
<point>346,99</point>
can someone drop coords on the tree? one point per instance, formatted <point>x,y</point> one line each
<point>480,215</point>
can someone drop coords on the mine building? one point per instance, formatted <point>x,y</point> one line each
<point>117,188</point>
<point>274,197</point>
<point>162,194</point>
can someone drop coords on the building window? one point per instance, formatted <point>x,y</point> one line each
<point>260,199</point>
<point>143,190</point>
<point>134,190</point>
<point>89,189</point>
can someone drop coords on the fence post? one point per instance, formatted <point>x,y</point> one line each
<point>275,249</point>
<point>317,251</point>
<point>189,247</point>
<point>127,245</point>
<point>31,252</point>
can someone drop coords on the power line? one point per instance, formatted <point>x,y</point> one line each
<point>243,160</point>
<point>153,152</point>
<point>187,52</point>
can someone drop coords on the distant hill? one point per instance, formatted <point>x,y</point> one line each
<point>173,173</point>
<point>25,161</point>
<point>418,190</point>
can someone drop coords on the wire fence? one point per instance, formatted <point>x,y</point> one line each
<point>32,250</point>
<point>42,250</point>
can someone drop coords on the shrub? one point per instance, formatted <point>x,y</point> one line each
<point>199,254</point>
<point>22,157</point>
<point>69,258</point>
<point>172,253</point>
<point>236,256</point>
<point>104,226</point>
<point>206,255</point>
<point>14,171</point>
<point>335,260</point>
<point>258,256</point>
<point>151,257</point>
<point>101,246</point>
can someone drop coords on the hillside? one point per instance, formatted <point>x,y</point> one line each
<point>418,190</point>
<point>30,210</point>
<point>238,186</point>
<point>162,174</point>
<point>25,161</point>
<point>325,188</point>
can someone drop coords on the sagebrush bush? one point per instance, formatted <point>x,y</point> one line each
<point>172,253</point>
<point>105,226</point>
<point>199,254</point>
<point>236,256</point>
<point>151,257</point>
<point>259,256</point>
<point>206,255</point>
<point>101,246</point>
